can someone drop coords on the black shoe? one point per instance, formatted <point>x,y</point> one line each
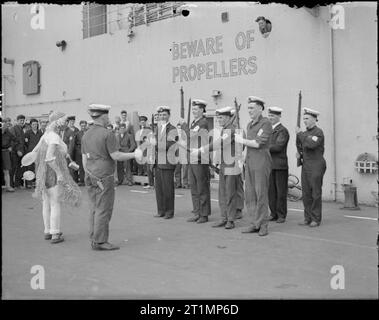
<point>239,214</point>
<point>271,218</point>
<point>251,229</point>
<point>193,219</point>
<point>219,224</point>
<point>280,220</point>
<point>104,246</point>
<point>57,238</point>
<point>168,216</point>
<point>314,224</point>
<point>158,215</point>
<point>202,220</point>
<point>305,223</point>
<point>229,225</point>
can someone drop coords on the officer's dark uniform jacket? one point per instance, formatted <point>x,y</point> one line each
<point>278,147</point>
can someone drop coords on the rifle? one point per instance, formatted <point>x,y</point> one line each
<point>237,117</point>
<point>237,113</point>
<point>181,102</point>
<point>189,112</point>
<point>300,160</point>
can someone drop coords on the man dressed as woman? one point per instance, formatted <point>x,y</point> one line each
<point>54,183</point>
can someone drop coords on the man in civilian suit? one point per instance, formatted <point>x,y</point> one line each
<point>278,186</point>
<point>18,152</point>
<point>76,153</point>
<point>127,144</point>
<point>166,136</point>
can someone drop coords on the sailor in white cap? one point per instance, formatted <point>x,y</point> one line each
<point>230,172</point>
<point>278,188</point>
<point>99,153</point>
<point>198,172</point>
<point>165,165</point>
<point>255,99</point>
<point>257,166</point>
<point>310,146</point>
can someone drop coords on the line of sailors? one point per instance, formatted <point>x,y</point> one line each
<point>265,168</point>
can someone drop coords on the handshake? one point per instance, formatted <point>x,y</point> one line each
<point>195,151</point>
<point>138,154</point>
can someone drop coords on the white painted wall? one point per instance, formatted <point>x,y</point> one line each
<point>137,76</point>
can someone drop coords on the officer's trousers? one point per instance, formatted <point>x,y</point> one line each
<point>199,179</point>
<point>228,195</point>
<point>256,193</point>
<point>101,208</point>
<point>181,175</point>
<point>165,191</point>
<point>278,193</point>
<point>312,175</point>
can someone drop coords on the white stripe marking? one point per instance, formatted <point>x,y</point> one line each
<point>299,210</point>
<point>325,240</point>
<point>214,200</point>
<point>364,218</point>
<point>138,191</point>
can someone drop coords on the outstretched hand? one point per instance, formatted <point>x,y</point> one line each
<point>138,154</point>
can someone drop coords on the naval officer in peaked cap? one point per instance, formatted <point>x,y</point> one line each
<point>99,153</point>
<point>165,164</point>
<point>198,172</point>
<point>310,146</point>
<point>257,166</point>
<point>278,188</point>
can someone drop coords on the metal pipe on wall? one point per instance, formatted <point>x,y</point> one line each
<point>333,109</point>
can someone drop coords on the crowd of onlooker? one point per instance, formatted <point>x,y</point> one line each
<point>21,136</point>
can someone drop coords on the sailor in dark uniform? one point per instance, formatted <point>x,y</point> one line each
<point>310,148</point>
<point>68,135</point>
<point>75,151</point>
<point>278,188</point>
<point>198,172</point>
<point>258,166</point>
<point>99,155</point>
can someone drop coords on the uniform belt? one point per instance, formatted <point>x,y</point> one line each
<point>97,178</point>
